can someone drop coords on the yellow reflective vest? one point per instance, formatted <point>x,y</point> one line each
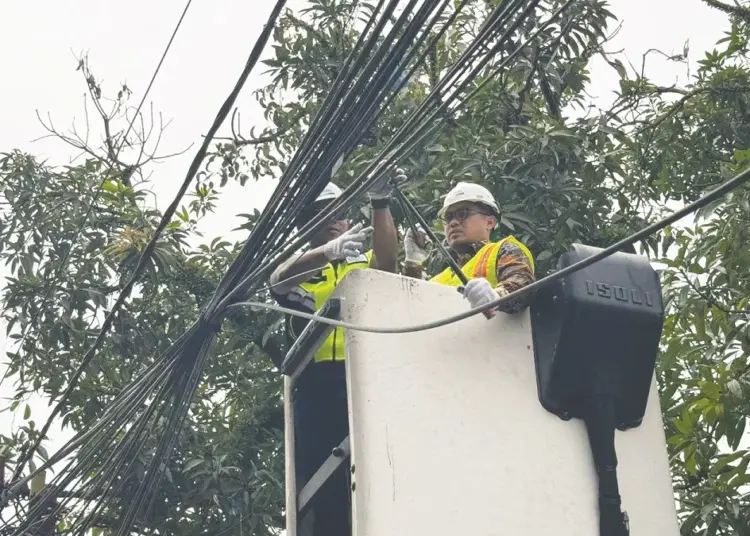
<point>317,290</point>
<point>483,264</point>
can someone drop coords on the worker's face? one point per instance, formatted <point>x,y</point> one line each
<point>331,229</point>
<point>466,223</point>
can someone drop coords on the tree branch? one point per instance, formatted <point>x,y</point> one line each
<point>686,96</point>
<point>736,10</point>
<point>710,301</point>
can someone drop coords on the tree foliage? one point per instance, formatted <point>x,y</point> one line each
<point>684,147</point>
<point>69,256</point>
<point>560,175</point>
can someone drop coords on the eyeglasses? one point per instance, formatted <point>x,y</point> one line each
<point>461,214</point>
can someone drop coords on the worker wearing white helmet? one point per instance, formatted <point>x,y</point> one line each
<point>494,269</point>
<point>304,283</point>
<point>336,249</point>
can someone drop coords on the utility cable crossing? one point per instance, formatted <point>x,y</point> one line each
<point>540,284</point>
<point>148,414</point>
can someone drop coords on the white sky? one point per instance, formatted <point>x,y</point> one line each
<point>39,40</point>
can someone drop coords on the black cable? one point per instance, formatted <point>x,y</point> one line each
<point>166,218</point>
<point>269,247</point>
<point>426,229</point>
<point>100,434</point>
<point>285,190</point>
<point>601,422</point>
<point>352,108</point>
<point>177,350</point>
<point>181,365</point>
<point>459,67</point>
<point>375,170</point>
<point>705,200</point>
<point>427,100</point>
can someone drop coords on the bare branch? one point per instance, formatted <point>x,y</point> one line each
<point>159,159</point>
<point>110,111</point>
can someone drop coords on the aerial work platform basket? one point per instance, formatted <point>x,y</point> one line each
<point>447,432</point>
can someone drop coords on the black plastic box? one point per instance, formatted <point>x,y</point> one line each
<point>596,332</point>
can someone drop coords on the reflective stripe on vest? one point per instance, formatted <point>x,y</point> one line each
<point>321,288</point>
<point>483,264</point>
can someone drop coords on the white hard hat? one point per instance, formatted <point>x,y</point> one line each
<point>331,191</point>
<point>468,191</point>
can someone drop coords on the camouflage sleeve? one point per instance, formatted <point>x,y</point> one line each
<point>513,272</point>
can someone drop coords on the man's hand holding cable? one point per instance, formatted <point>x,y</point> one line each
<point>382,191</point>
<point>479,292</point>
<point>349,244</point>
<point>415,248</point>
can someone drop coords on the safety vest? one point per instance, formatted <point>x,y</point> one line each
<point>483,264</point>
<point>320,287</point>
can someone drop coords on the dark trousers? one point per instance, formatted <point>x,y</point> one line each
<point>321,424</point>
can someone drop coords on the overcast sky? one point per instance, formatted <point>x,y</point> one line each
<point>40,39</point>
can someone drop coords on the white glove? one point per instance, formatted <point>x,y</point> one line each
<point>479,292</point>
<point>349,244</point>
<point>413,252</point>
<point>400,179</point>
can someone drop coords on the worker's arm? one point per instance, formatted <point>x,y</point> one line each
<point>514,271</point>
<point>296,270</point>
<point>384,237</point>
<point>300,268</point>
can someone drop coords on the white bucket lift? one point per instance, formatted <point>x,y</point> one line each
<point>447,433</point>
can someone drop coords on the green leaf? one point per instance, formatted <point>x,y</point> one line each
<point>684,427</point>
<point>713,526</point>
<point>544,255</point>
<point>183,215</point>
<point>110,186</point>
<point>725,460</point>
<point>192,464</point>
<point>734,387</point>
<point>619,67</point>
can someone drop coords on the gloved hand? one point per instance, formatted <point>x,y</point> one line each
<point>384,187</point>
<point>416,248</point>
<point>349,244</point>
<point>479,292</point>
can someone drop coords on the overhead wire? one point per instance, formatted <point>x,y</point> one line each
<point>92,442</point>
<point>166,218</point>
<point>389,155</point>
<point>361,123</point>
<point>347,200</point>
<point>162,447</point>
<point>544,282</point>
<point>348,113</point>
<point>288,194</point>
